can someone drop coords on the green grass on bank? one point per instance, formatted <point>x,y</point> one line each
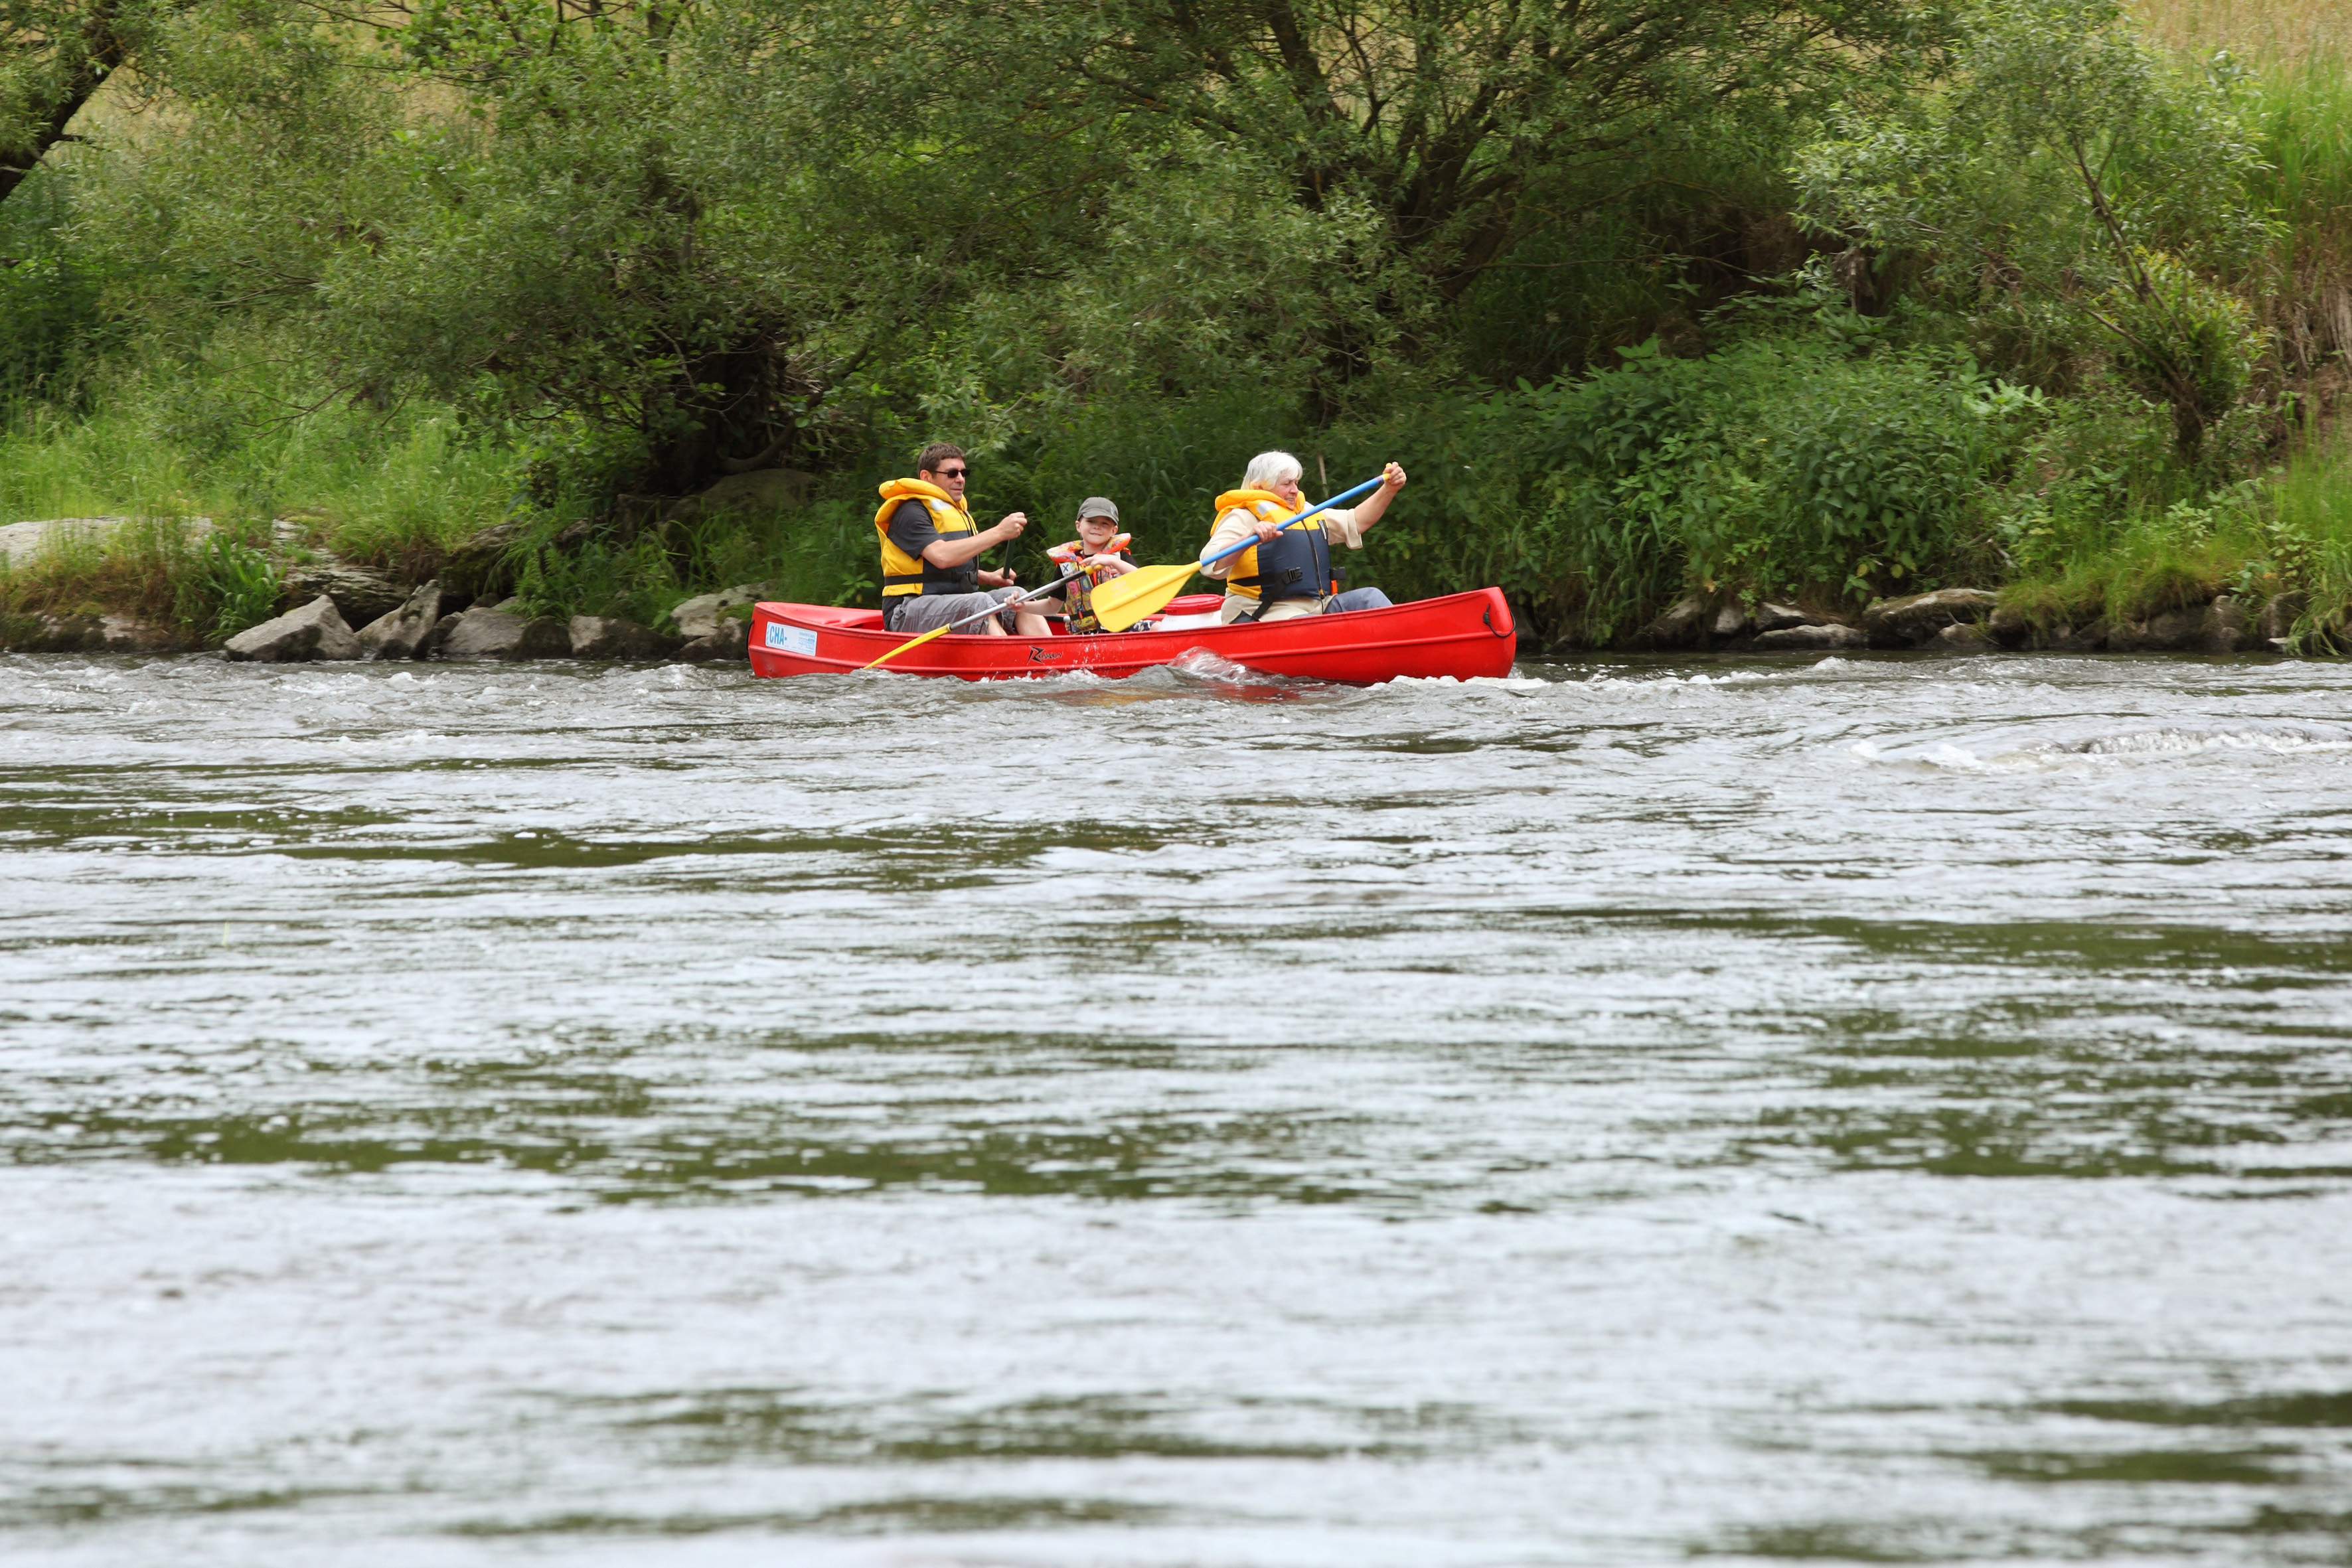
<point>397,490</point>
<point>2290,532</point>
<point>160,444</point>
<point>391,489</point>
<point>2310,513</point>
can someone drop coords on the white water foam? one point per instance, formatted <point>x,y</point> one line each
<point>1199,664</point>
<point>2188,742</point>
<point>2122,747</point>
<point>1485,682</point>
<point>1699,678</point>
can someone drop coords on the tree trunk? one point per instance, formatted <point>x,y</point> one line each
<point>100,51</point>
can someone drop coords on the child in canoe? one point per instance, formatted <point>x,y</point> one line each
<point>1099,553</point>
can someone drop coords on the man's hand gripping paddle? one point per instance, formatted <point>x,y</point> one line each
<point>1123,601</point>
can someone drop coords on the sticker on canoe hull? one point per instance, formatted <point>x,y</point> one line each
<point>792,639</point>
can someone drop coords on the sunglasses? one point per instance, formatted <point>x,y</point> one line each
<point>953,473</point>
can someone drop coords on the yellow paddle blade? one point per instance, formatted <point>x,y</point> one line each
<point>1123,601</point>
<point>936,631</point>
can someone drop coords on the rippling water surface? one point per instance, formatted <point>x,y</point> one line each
<point>1859,1110</point>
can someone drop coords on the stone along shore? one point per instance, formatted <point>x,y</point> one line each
<point>1973,620</point>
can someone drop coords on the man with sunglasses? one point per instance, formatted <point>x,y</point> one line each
<point>931,549</point>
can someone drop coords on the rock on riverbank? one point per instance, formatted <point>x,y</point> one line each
<point>482,633</point>
<point>1917,619</point>
<point>93,634</point>
<point>604,636</point>
<point>361,594</point>
<point>1973,620</point>
<point>405,632</point>
<point>316,631</point>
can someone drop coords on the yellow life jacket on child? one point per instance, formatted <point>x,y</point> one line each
<point>903,574</point>
<point>1083,574</point>
<point>1297,565</point>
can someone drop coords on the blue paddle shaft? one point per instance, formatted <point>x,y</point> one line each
<point>1339,499</point>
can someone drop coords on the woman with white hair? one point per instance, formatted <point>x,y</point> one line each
<point>1288,572</point>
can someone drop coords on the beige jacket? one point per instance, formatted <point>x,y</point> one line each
<point>1338,527</point>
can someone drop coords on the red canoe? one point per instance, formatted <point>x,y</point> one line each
<point>1461,634</point>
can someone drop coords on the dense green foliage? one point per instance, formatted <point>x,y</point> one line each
<point>2069,180</point>
<point>1782,463</point>
<point>1817,298</point>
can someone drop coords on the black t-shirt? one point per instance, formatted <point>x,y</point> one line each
<point>911,528</point>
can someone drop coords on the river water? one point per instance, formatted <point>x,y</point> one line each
<point>1859,1109</point>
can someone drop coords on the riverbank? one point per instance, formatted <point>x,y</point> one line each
<point>430,626</point>
<point>321,608</point>
<point>317,608</point>
<point>1978,620</point>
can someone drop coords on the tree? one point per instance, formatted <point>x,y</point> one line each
<point>644,229</point>
<point>54,54</point>
<point>687,236</point>
<point>2069,164</point>
<point>1439,114</point>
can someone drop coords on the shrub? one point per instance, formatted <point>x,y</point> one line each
<point>2068,170</point>
<point>1787,464</point>
<point>232,585</point>
<point>208,585</point>
<point>822,554</point>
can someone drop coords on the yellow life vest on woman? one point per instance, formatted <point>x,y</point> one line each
<point>1297,565</point>
<point>903,574</point>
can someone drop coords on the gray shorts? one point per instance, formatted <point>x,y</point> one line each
<point>915,613</point>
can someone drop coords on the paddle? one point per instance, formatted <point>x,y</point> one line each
<point>942,631</point>
<point>1123,601</point>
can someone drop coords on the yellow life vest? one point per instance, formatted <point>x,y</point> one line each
<point>903,574</point>
<point>1083,573</point>
<point>1299,563</point>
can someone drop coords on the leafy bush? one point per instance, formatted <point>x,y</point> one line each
<point>2186,341</point>
<point>1784,465</point>
<point>50,320</point>
<point>823,553</point>
<point>2069,179</point>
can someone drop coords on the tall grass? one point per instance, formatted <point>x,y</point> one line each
<point>205,585</point>
<point>2300,113</point>
<point>2150,561</point>
<point>2309,507</point>
<point>2274,32</point>
<point>162,443</point>
<point>395,489</point>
